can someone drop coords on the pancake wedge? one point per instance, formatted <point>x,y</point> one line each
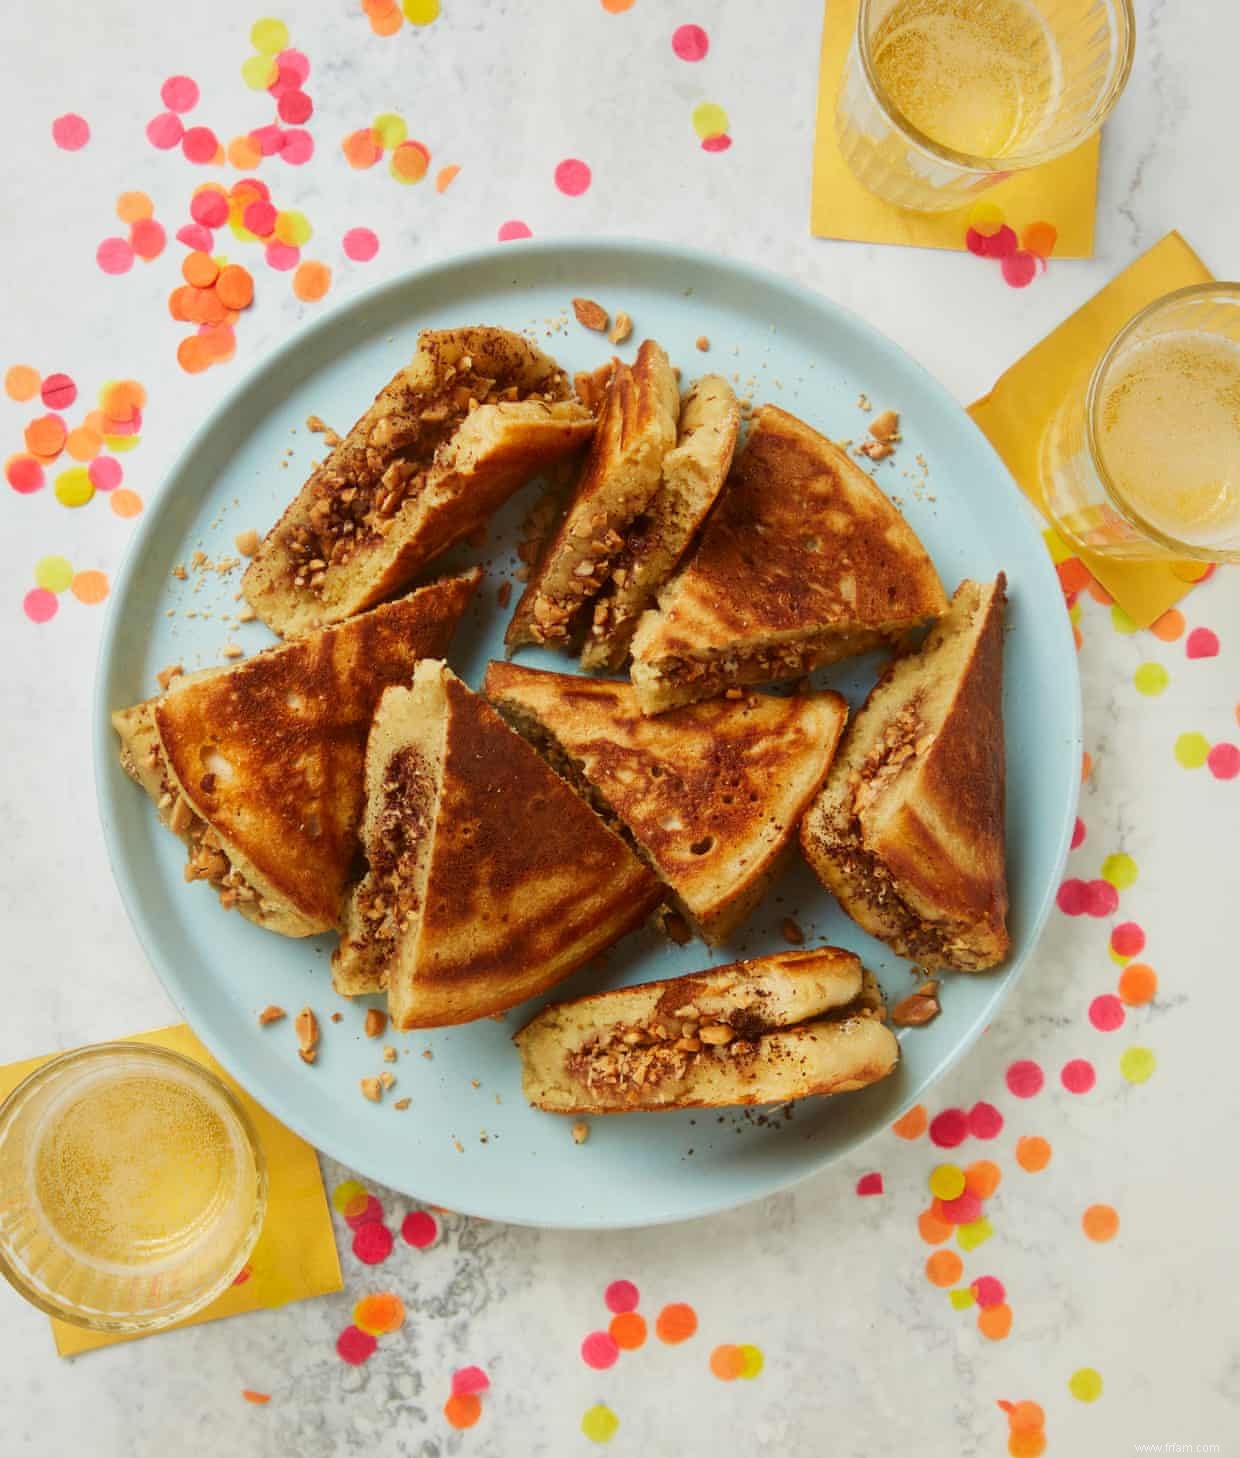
<point>476,414</point>
<point>908,830</point>
<point>709,795</point>
<point>764,1031</point>
<point>489,879</point>
<point>258,766</point>
<point>693,475</point>
<point>803,561</point>
<point>636,429</point>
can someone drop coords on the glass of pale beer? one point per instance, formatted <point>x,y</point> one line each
<point>942,98</point>
<point>1142,459</point>
<point>132,1187</point>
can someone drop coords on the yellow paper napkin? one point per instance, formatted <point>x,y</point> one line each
<point>296,1252</point>
<point>1061,192</point>
<point>1015,412</point>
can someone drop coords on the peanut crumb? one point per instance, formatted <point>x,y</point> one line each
<point>621,329</point>
<point>387,1079</point>
<point>402,1104</point>
<point>426,1053</point>
<point>165,675</point>
<point>920,1007</point>
<point>702,343</point>
<point>337,1017</point>
<point>318,426</point>
<point>792,932</point>
<point>179,572</point>
<point>590,315</point>
<point>372,1089</point>
<point>307,1055</point>
<point>458,1146</point>
<point>389,1054</point>
<point>474,1083</point>
<point>580,1131</point>
<point>271,1014</point>
<point>503,595</point>
<point>876,450</point>
<point>886,427</point>
<point>375,1023</point>
<point>863,402</point>
<point>247,614</point>
<point>232,650</point>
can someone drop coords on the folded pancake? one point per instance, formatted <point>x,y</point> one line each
<point>693,475</point>
<point>710,795</point>
<point>636,429</point>
<point>908,830</point>
<point>476,414</point>
<point>489,879</point>
<point>802,562</point>
<point>763,1031</point>
<point>258,766</point>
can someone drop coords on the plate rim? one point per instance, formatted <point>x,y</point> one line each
<point>196,1012</point>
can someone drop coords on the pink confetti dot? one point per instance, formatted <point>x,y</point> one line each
<point>419,1229</point>
<point>870,1184</point>
<point>114,255</point>
<point>949,1128</point>
<point>24,474</point>
<point>373,1243</point>
<point>1078,1076</point>
<point>999,245</point>
<point>147,238</point>
<point>1127,939</point>
<point>1224,761</point>
<point>199,145</point>
<point>690,42</point>
<point>572,176</point>
<point>1072,897</point>
<point>1201,643</point>
<point>360,244</point>
<point>282,256</point>
<point>975,242</point>
<point>179,93</point>
<point>511,230</point>
<point>1101,898</point>
<point>40,605</point>
<point>1024,1078</point>
<point>210,208</point>
<point>469,1379</point>
<point>296,63</point>
<point>599,1350</point>
<point>370,1213</point>
<point>985,1121</point>
<point>1106,1013</point>
<point>287,81</point>
<point>1019,269</point>
<point>963,1210</point>
<point>295,107</point>
<point>260,218</point>
<point>165,130</point>
<point>1078,833</point>
<point>105,473</point>
<point>70,132</point>
<point>354,1345</point>
<point>297,147</point>
<point>720,142</point>
<point>195,236</point>
<point>268,140</point>
<point>988,1291</point>
<point>621,1296</point>
<point>58,392</point>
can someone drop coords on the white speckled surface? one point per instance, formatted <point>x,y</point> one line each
<point>863,1354</point>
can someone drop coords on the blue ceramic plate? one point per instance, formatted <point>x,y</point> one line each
<point>469,1141</point>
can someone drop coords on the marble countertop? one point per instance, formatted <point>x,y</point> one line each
<point>863,1354</point>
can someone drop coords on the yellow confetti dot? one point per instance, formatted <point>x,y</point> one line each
<point>975,1233</point>
<point>293,227</point>
<point>345,1192</point>
<point>269,35</point>
<point>1192,750</point>
<point>599,1423</point>
<point>420,12</point>
<point>962,1298</point>
<point>1151,679</point>
<point>74,487</point>
<point>390,129</point>
<point>709,120</point>
<point>1085,1384</point>
<point>119,444</point>
<point>947,1181</point>
<point>1137,1063</point>
<point>753,1360</point>
<point>258,72</point>
<point>1120,870</point>
<point>54,573</point>
<point>986,218</point>
<point>1120,620</point>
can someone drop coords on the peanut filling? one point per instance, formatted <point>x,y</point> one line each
<point>387,899</point>
<point>631,1057</point>
<point>554,614</point>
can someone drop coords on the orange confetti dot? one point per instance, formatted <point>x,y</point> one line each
<point>1169,626</point>
<point>982,1178</point>
<point>132,207</point>
<point>362,149</point>
<point>1073,574</point>
<point>617,7</point>
<point>220,343</point>
<point>192,355</point>
<point>120,398</point>
<point>1033,1153</point>
<point>1077,639</point>
<point>379,1314</point>
<point>1040,238</point>
<point>1024,1417</point>
<point>83,444</point>
<point>244,153</point>
<point>932,1228</point>
<point>179,302</point>
<point>386,24</point>
<point>462,1409</point>
<point>911,1125</point>
<point>378,7</point>
<point>21,382</point>
<point>89,587</point>
<point>1030,1443</point>
<point>676,1323</point>
<point>355,1204</point>
<point>445,176</point>
<point>234,288</point>
<point>1100,1222</point>
<point>46,436</point>
<point>410,161</point>
<point>125,502</point>
<point>199,269</point>
<point>1087,766</point>
<point>311,280</point>
<point>256,1397</point>
<point>1138,984</point>
<point>944,1268</point>
<point>628,1330</point>
<point>727,1362</point>
<point>995,1322</point>
<point>1098,592</point>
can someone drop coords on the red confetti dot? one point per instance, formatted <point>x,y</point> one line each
<point>70,132</point>
<point>58,392</point>
<point>200,144</point>
<point>105,473</point>
<point>1078,833</point>
<point>1019,269</point>
<point>870,1184</point>
<point>690,42</point>
<point>963,1210</point>
<point>40,605</point>
<point>469,1379</point>
<point>196,238</point>
<point>975,242</point>
<point>1078,1075</point>
<point>1127,939</point>
<point>295,107</point>
<point>210,208</point>
<point>621,1296</point>
<point>985,1121</point>
<point>1201,643</point>
<point>599,1350</point>
<point>419,1229</point>
<point>572,176</point>
<point>179,93</point>
<point>283,256</point>
<point>1072,897</point>
<point>514,228</point>
<point>147,238</point>
<point>260,218</point>
<point>949,1128</point>
<point>988,1291</point>
<point>297,147</point>
<point>24,474</point>
<point>114,255</point>
<point>373,1243</point>
<point>354,1345</point>
<point>720,142</point>
<point>1024,1078</point>
<point>360,244</point>
<point>268,140</point>
<point>1106,1013</point>
<point>1101,898</point>
<point>1000,244</point>
<point>165,130</point>
<point>370,1213</point>
<point>1224,761</point>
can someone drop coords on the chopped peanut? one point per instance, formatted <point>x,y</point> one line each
<point>702,343</point>
<point>376,1021</point>
<point>270,1014</point>
<point>165,675</point>
<point>590,315</point>
<point>886,427</point>
<point>372,1089</point>
<point>621,329</point>
<point>246,542</point>
<point>580,1131</point>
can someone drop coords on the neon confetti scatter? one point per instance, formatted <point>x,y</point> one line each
<point>599,1423</point>
<point>710,122</point>
<point>690,43</point>
<point>621,1296</point>
<point>870,1184</point>
<point>70,132</point>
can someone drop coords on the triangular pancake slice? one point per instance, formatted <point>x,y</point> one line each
<point>258,766</point>
<point>489,879</point>
<point>764,1031</point>
<point>709,795</point>
<point>476,414</point>
<point>803,561</point>
<point>908,831</point>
